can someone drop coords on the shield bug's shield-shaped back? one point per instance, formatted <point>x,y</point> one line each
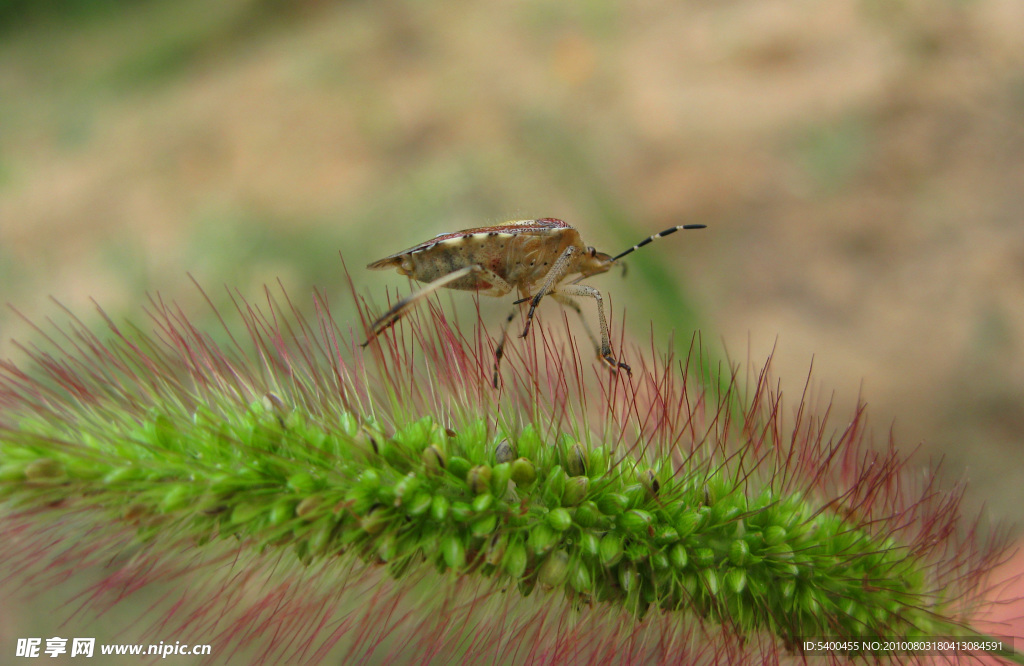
<point>538,258</point>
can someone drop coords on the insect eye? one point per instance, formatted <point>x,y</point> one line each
<point>593,252</point>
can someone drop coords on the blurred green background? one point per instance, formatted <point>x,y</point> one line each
<point>860,165</point>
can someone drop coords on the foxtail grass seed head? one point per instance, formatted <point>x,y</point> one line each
<point>320,501</point>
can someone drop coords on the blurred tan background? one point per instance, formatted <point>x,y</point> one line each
<point>860,165</point>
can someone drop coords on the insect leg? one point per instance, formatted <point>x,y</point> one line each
<point>556,273</point>
<point>399,309</point>
<point>605,349</point>
<point>559,295</point>
<point>499,352</point>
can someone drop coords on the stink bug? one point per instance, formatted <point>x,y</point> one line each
<point>536,257</point>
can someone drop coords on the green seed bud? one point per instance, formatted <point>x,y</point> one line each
<point>580,578</point>
<point>739,552</point>
<point>677,555</point>
<point>610,549</point>
<point>319,539</point>
<point>281,512</point>
<point>482,503</point>
<point>576,489</point>
<point>244,512</point>
<point>612,504</point>
<point>44,469</point>
<point>687,523</point>
<point>590,544</point>
<point>515,560</point>
<point>710,578</point>
<point>576,461</point>
<point>479,479</point>
<point>500,475</point>
<point>541,538</point>
<point>434,459</point>
<point>367,440</point>
<point>703,557</point>
<point>459,467</point>
<point>559,519</point>
<point>586,515</point>
<point>636,521</point>
<point>453,551</point>
<point>387,548</point>
<point>636,495</point>
<point>529,442</point>
<point>523,472</point>
<point>481,527</point>
<point>555,569</point>
<point>461,512</point>
<point>665,534</point>
<point>419,504</point>
<point>736,580</point>
<point>504,452</point>
<point>406,487</point>
<point>774,535</point>
<point>554,486</point>
<point>597,461</point>
<point>439,508</point>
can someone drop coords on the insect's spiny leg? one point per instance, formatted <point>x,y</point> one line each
<point>499,352</point>
<point>556,273</point>
<point>660,234</point>
<point>605,348</point>
<point>399,309</point>
<point>560,296</point>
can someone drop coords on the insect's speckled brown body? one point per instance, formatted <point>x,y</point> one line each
<point>536,257</point>
<point>520,253</point>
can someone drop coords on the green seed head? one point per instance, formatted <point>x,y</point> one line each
<point>555,569</point>
<point>559,519</point>
<point>610,549</point>
<point>576,490</point>
<point>515,560</point>
<point>44,469</point>
<point>434,459</point>
<point>523,472</point>
<point>576,461</point>
<point>479,479</point>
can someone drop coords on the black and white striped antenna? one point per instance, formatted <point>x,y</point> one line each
<point>662,234</point>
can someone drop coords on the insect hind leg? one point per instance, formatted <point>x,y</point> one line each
<point>402,307</point>
<point>604,349</point>
<point>499,351</point>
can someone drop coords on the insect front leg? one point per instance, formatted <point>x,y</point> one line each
<point>399,309</point>
<point>605,348</point>
<point>553,277</point>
